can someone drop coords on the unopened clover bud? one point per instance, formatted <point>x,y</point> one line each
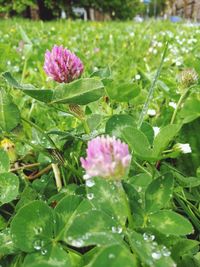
<point>182,148</point>
<point>107,157</point>
<point>62,65</point>
<point>76,109</point>
<point>187,78</point>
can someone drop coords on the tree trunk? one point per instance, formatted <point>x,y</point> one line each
<point>44,12</point>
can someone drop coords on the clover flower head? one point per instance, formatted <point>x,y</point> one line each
<point>188,77</point>
<point>107,157</point>
<point>183,148</point>
<point>62,65</point>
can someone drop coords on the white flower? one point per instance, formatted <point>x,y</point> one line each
<point>156,130</point>
<point>172,104</point>
<point>151,112</point>
<point>137,76</point>
<point>184,148</point>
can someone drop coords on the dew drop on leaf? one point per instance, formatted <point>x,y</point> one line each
<point>156,255</point>
<point>117,229</point>
<point>111,256</point>
<point>90,196</point>
<point>38,230</point>
<point>89,183</point>
<point>148,237</point>
<point>44,251</point>
<point>165,252</point>
<point>77,243</point>
<point>38,244</point>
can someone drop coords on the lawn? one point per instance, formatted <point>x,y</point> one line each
<point>102,169</point>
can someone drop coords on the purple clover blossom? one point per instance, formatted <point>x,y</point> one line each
<point>62,65</point>
<point>107,157</point>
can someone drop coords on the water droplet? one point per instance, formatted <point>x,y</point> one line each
<point>156,255</point>
<point>117,229</point>
<point>139,189</point>
<point>89,183</point>
<point>77,243</point>
<point>44,251</point>
<point>165,252</point>
<point>140,201</point>
<point>154,244</point>
<point>38,244</point>
<point>90,196</point>
<point>111,256</point>
<point>148,237</point>
<point>38,230</point>
<point>9,242</point>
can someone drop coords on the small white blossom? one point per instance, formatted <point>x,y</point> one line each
<point>184,148</point>
<point>172,104</point>
<point>156,130</point>
<point>151,112</point>
<point>137,76</point>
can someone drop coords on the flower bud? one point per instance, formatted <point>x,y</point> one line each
<point>187,78</point>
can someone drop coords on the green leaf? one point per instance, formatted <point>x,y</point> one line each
<point>112,256</point>
<point>116,124</point>
<point>191,109</point>
<point>184,246</point>
<point>4,161</point>
<point>141,180</point>
<point>65,211</point>
<point>149,252</point>
<point>147,129</point>
<point>9,186</point>
<point>93,227</point>
<point>108,197</point>
<point>187,181</point>
<point>124,92</point>
<point>50,256</point>
<point>2,222</point>
<point>43,95</point>
<point>135,202</point>
<point>170,223</point>
<point>163,138</point>
<point>81,92</point>
<point>6,243</point>
<point>9,112</point>
<point>159,192</point>
<point>138,142</point>
<point>32,227</point>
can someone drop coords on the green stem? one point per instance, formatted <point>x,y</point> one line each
<point>180,101</point>
<point>86,127</point>
<point>151,91</point>
<point>56,172</point>
<point>141,167</point>
<point>24,70</point>
<point>41,131</point>
<point>126,201</point>
<point>189,212</point>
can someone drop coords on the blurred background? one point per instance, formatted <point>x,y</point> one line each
<point>101,10</point>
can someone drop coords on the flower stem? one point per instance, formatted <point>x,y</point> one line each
<point>180,101</point>
<point>141,167</point>
<point>24,70</point>
<point>86,127</point>
<point>56,172</point>
<point>127,204</point>
<point>151,90</point>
